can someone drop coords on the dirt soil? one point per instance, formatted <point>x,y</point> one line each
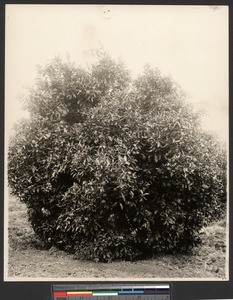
<point>26,259</point>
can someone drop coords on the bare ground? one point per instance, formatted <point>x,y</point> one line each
<point>26,259</point>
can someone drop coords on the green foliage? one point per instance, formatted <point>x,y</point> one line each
<point>112,168</point>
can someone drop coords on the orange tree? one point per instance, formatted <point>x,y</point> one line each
<point>114,168</point>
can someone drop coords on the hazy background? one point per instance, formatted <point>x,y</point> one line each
<point>190,43</point>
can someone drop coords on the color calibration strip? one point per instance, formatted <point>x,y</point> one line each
<point>163,290</point>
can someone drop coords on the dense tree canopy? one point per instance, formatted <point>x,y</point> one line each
<point>114,168</point>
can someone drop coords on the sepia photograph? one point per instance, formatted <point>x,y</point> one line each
<point>116,143</point>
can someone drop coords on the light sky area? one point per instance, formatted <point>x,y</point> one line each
<point>189,43</point>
